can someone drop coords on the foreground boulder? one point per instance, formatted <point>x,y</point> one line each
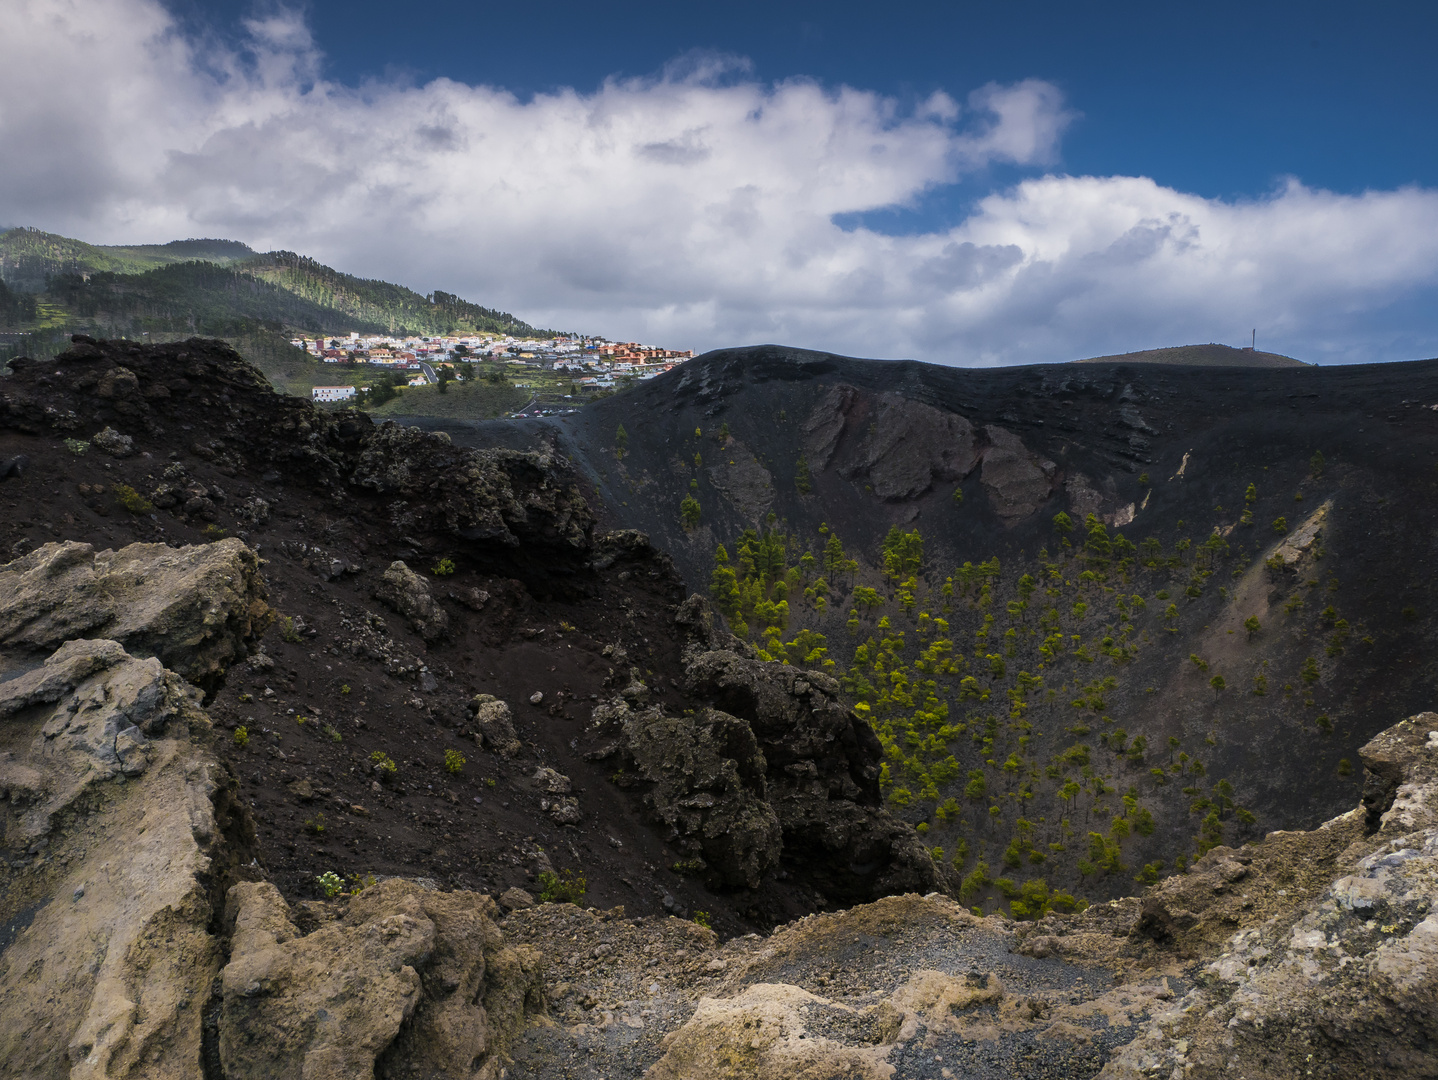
<point>195,607</point>
<point>419,976</point>
<point>111,806</point>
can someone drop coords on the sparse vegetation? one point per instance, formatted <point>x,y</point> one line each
<point>131,500</point>
<point>562,888</point>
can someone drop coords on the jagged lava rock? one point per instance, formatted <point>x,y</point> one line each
<point>705,779</point>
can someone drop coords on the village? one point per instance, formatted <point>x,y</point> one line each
<point>592,364</point>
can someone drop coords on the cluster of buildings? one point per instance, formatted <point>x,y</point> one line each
<point>591,363</point>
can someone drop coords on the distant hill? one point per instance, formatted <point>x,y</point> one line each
<point>30,257</point>
<point>1210,355</point>
<point>221,288</point>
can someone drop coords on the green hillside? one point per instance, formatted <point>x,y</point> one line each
<point>30,257</point>
<point>377,305</point>
<point>217,288</point>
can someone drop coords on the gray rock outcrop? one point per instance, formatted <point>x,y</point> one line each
<point>494,723</point>
<point>1346,982</point>
<point>1016,480</point>
<point>195,608</point>
<point>114,443</point>
<point>908,446</point>
<point>911,445</point>
<point>405,592</point>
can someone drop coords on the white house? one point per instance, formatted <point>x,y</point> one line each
<point>333,393</point>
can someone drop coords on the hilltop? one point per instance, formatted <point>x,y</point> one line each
<point>30,257</point>
<point>1210,355</point>
<point>217,287</point>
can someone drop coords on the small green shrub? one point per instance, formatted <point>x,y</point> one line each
<point>1280,525</point>
<point>213,532</point>
<point>330,883</point>
<point>453,761</point>
<point>241,737</point>
<point>1149,874</point>
<point>334,735</point>
<point>443,568</point>
<point>288,631</point>
<point>78,447</point>
<point>132,500</point>
<point>689,512</point>
<point>383,764</point>
<point>316,824</point>
<point>359,884</point>
<point>704,919</point>
<point>568,888</point>
<point>345,689</point>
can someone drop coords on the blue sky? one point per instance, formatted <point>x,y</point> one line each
<point>1221,99</point>
<point>965,183</point>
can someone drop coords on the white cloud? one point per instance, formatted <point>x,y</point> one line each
<point>696,208</point>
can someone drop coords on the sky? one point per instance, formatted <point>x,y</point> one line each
<point>971,184</point>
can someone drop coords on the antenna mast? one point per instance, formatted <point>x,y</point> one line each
<point>1253,345</point>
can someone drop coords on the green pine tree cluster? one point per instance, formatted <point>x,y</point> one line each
<point>953,668</point>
